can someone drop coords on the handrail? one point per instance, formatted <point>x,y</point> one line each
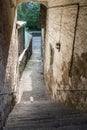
<point>22,55</point>
<point>7,93</point>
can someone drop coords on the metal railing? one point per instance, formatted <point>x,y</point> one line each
<point>7,93</point>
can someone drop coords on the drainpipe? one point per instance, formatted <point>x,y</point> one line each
<point>74,39</point>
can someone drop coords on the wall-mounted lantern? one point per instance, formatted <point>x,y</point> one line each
<point>58,46</point>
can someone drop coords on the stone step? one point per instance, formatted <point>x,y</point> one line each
<point>79,127</point>
<point>44,113</point>
<point>49,122</point>
<point>41,108</point>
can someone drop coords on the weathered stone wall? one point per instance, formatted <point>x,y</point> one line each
<point>8,57</point>
<point>65,66</point>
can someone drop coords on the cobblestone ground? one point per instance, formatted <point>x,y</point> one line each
<point>36,111</point>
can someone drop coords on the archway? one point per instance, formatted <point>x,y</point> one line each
<point>45,2</point>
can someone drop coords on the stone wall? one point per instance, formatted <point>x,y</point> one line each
<point>65,65</point>
<point>8,57</point>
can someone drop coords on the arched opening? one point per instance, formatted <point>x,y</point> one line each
<point>45,2</point>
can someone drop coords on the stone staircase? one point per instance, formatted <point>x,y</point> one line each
<point>36,111</point>
<point>45,115</point>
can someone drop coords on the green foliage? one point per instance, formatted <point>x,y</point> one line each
<point>29,12</point>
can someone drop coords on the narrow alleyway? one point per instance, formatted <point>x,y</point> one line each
<point>36,111</point>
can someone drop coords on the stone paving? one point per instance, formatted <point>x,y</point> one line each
<point>36,111</point>
<point>32,86</point>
